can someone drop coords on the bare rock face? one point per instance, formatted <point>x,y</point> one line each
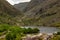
<point>21,6</point>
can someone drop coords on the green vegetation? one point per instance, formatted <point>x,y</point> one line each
<point>15,32</point>
<point>4,27</point>
<point>8,13</point>
<point>58,33</point>
<point>56,24</point>
<point>56,36</point>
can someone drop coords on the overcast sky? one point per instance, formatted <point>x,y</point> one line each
<point>17,1</point>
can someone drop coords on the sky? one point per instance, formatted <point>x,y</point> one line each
<point>17,1</point>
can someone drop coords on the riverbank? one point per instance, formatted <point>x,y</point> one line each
<point>41,36</point>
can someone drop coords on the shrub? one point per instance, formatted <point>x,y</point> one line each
<point>10,36</point>
<point>36,30</point>
<point>58,33</point>
<point>4,27</point>
<point>30,30</point>
<point>56,37</point>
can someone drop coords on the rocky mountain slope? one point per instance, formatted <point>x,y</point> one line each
<point>21,6</point>
<point>37,13</point>
<point>8,13</point>
<point>32,4</point>
<point>45,13</point>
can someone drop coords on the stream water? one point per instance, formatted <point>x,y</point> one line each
<point>45,29</point>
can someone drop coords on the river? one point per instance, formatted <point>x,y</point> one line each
<point>45,29</point>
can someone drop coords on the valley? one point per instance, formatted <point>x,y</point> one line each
<point>34,20</point>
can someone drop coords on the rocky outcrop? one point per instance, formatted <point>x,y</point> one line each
<point>21,6</point>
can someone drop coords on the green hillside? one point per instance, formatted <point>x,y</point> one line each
<point>8,13</point>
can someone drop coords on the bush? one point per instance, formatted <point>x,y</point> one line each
<point>4,27</point>
<point>18,37</point>
<point>36,30</point>
<point>10,36</point>
<point>30,30</point>
<point>15,29</point>
<point>56,37</point>
<point>58,33</point>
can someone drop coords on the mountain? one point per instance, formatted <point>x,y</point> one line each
<point>8,13</point>
<point>36,13</point>
<point>42,13</point>
<point>21,6</point>
<point>32,4</point>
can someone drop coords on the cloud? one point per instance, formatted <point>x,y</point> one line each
<point>21,0</point>
<point>11,2</point>
<point>17,1</point>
